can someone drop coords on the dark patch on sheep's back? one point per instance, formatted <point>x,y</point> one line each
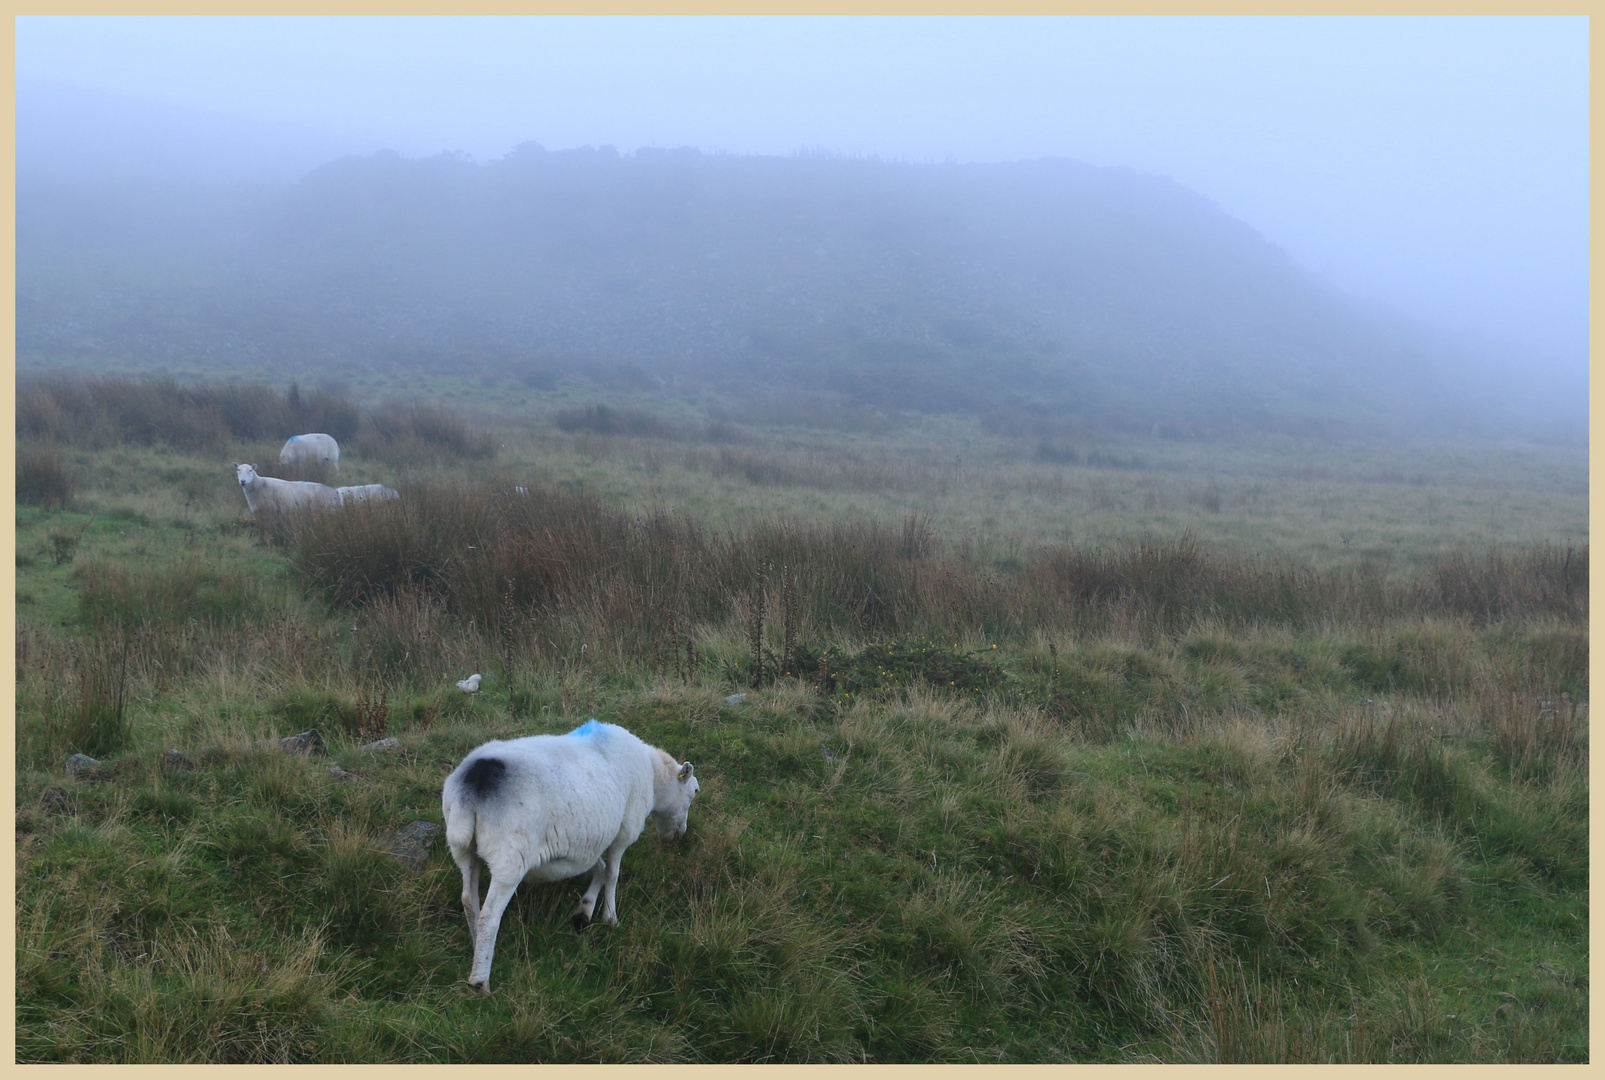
<point>484,777</point>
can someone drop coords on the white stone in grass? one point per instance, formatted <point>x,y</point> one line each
<point>411,845</point>
<point>384,744</point>
<point>735,699</point>
<point>79,764</point>
<point>308,742</point>
<point>469,685</point>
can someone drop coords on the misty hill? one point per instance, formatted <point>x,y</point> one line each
<point>66,132</point>
<point>1051,286</point>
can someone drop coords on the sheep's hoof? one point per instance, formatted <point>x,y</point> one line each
<point>580,920</point>
<point>482,986</point>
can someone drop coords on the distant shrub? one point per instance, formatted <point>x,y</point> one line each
<point>324,410</point>
<point>421,434</point>
<point>44,476</point>
<point>822,410</point>
<point>606,420</point>
<point>101,412</point>
<point>1057,452</point>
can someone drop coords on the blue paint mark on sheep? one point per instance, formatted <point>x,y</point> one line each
<point>588,729</point>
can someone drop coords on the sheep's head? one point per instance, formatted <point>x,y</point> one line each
<point>245,474</point>
<point>671,812</point>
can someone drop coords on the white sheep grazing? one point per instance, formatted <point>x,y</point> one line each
<point>549,807</point>
<point>268,493</point>
<point>309,449</point>
<point>362,493</point>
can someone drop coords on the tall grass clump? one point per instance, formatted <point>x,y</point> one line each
<point>102,412</point>
<point>44,476</point>
<point>188,588</point>
<point>420,434</point>
<point>1544,579</point>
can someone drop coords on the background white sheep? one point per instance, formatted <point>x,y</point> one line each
<point>549,807</point>
<point>310,449</point>
<point>362,493</point>
<point>270,493</point>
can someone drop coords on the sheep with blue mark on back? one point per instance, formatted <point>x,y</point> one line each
<point>310,449</point>
<point>549,807</point>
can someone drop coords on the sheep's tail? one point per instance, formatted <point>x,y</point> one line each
<point>465,793</point>
<point>461,825</point>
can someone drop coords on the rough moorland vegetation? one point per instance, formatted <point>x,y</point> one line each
<point>967,796</point>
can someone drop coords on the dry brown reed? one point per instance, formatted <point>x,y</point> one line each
<point>565,562</point>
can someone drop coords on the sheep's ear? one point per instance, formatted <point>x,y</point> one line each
<point>685,771</point>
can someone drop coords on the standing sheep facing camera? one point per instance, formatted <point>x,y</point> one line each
<point>549,807</point>
<point>279,496</point>
<point>310,449</point>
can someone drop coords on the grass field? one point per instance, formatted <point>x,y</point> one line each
<point>1056,747</point>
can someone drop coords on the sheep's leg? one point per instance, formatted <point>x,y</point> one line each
<point>490,920</point>
<point>587,904</point>
<point>471,888</point>
<point>610,891</point>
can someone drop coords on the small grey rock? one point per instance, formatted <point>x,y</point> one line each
<point>735,699</point>
<point>79,764</point>
<point>411,844</point>
<point>308,742</point>
<point>384,744</point>
<point>827,752</point>
<point>173,759</point>
<point>338,773</point>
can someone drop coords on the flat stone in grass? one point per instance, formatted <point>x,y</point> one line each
<point>391,743</point>
<point>411,844</point>
<point>176,761</point>
<point>82,765</point>
<point>308,742</point>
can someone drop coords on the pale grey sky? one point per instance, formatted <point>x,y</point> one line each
<point>1437,165</point>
